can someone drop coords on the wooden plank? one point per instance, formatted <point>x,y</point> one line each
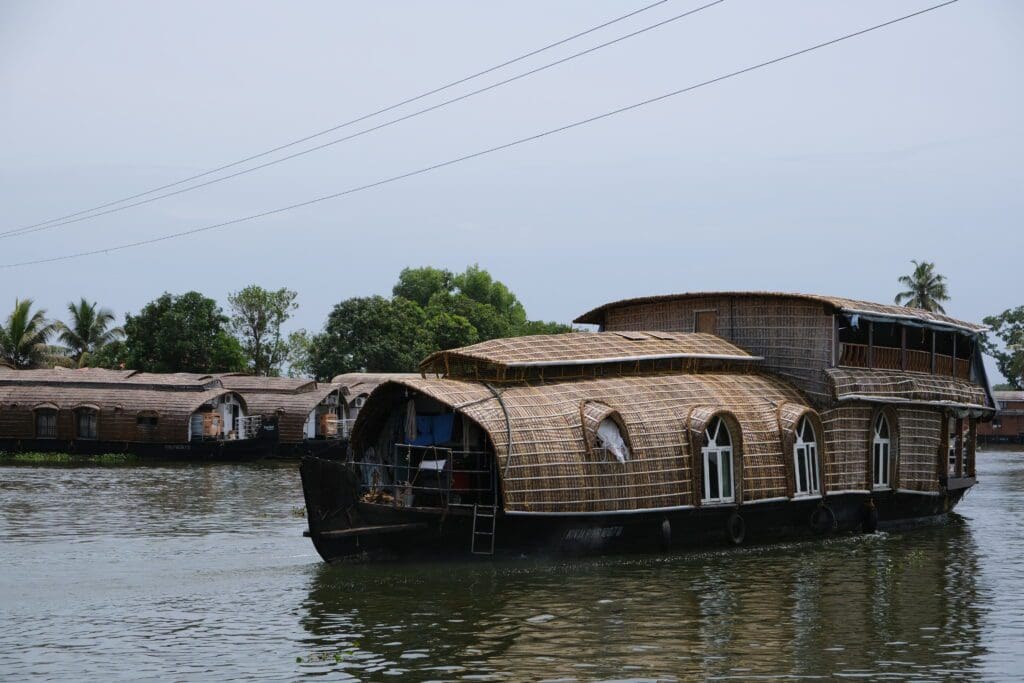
<point>369,530</point>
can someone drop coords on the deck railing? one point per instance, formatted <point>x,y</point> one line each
<point>249,427</point>
<point>889,358</point>
<point>429,470</point>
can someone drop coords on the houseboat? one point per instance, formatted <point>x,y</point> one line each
<point>94,411</point>
<point>1008,424</point>
<point>356,388</point>
<point>685,420</point>
<point>307,416</point>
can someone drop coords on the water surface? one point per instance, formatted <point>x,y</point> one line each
<point>201,573</point>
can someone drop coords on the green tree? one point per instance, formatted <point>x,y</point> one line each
<point>87,330</point>
<point>1005,342</point>
<point>113,356</point>
<point>421,284</point>
<point>23,340</point>
<point>543,327</point>
<point>924,288</point>
<point>300,359</point>
<point>450,331</point>
<point>370,334</point>
<point>184,333</point>
<point>256,318</point>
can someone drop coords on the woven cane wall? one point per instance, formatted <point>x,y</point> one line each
<point>919,448</point>
<point>793,335</point>
<point>847,438</point>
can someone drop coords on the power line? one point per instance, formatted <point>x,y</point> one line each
<point>39,228</point>
<point>355,120</point>
<point>490,150</point>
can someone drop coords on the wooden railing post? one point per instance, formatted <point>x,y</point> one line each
<point>871,344</point>
<point>903,347</point>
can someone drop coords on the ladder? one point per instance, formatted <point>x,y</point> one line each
<point>484,523</point>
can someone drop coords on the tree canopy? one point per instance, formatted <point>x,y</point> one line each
<point>186,333</point>
<point>430,309</point>
<point>1005,342</point>
<point>256,318</point>
<point>87,331</point>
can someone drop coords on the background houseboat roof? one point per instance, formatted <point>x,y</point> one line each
<point>895,387</point>
<point>539,432</point>
<point>1011,396</point>
<point>850,306</point>
<point>127,398</point>
<point>100,377</point>
<point>362,383</point>
<point>281,385</point>
<point>581,348</point>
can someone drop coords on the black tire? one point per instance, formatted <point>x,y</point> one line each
<point>666,534</point>
<point>736,529</point>
<point>869,523</point>
<point>823,520</point>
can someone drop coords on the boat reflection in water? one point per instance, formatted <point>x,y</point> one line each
<point>901,604</point>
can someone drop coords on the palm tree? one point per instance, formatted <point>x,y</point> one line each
<point>23,339</point>
<point>89,330</point>
<point>925,288</point>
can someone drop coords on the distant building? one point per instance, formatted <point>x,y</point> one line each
<point>1008,424</point>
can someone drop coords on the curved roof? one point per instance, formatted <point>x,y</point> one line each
<point>362,383</point>
<point>851,306</point>
<point>539,437</point>
<point>129,399</point>
<point>578,349</point>
<point>252,383</point>
<point>99,378</point>
<point>895,387</point>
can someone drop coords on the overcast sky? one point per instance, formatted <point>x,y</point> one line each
<point>826,173</point>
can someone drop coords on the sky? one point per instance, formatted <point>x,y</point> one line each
<point>826,173</point>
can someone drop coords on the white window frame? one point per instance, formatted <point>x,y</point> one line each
<point>806,452</point>
<point>881,454</point>
<point>720,454</point>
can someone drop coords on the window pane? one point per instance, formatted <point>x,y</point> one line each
<point>812,453</point>
<point>801,470</point>
<point>713,489</point>
<point>726,474</point>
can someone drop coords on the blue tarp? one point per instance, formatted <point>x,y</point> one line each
<point>433,429</point>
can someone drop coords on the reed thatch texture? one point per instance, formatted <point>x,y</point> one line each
<point>362,384</point>
<point>291,409</point>
<point>920,449</point>
<point>119,405</point>
<point>893,386</point>
<point>599,315</point>
<point>847,439</point>
<point>793,334</point>
<point>549,468</point>
<point>266,385</point>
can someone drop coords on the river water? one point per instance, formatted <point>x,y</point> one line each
<point>201,573</point>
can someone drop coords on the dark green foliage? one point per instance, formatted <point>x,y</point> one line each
<point>925,288</point>
<point>432,309</point>
<point>87,331</point>
<point>1005,343</point>
<point>184,333</point>
<point>256,318</point>
<point>23,339</point>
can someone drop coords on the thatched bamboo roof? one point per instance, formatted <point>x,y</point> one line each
<point>631,351</point>
<point>1012,396</point>
<point>547,464</point>
<point>358,384</point>
<point>839,304</point>
<point>266,385</point>
<point>895,387</point>
<point>100,377</point>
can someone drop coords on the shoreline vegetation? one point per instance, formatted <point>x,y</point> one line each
<point>37,458</point>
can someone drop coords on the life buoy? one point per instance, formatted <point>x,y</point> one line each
<point>869,523</point>
<point>822,520</point>
<point>736,529</point>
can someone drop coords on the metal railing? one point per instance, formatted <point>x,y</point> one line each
<point>429,471</point>
<point>248,427</point>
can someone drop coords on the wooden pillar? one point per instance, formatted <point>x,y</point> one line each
<point>933,352</point>
<point>871,344</point>
<point>955,335</point>
<point>903,347</point>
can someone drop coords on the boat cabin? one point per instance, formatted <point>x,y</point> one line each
<point>356,388</point>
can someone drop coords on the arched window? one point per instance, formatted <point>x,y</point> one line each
<point>717,465</point>
<point>881,448</point>
<point>609,437</point>
<point>86,423</point>
<point>805,459</point>
<point>46,423</point>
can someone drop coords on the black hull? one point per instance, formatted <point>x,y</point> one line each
<point>194,451</point>
<point>331,449</point>
<point>341,526</point>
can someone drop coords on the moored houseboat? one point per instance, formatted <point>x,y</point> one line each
<point>308,416</point>
<point>94,411</point>
<point>690,419</point>
<point>1008,424</point>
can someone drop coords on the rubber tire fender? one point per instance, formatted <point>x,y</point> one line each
<point>869,523</point>
<point>736,529</point>
<point>822,520</point>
